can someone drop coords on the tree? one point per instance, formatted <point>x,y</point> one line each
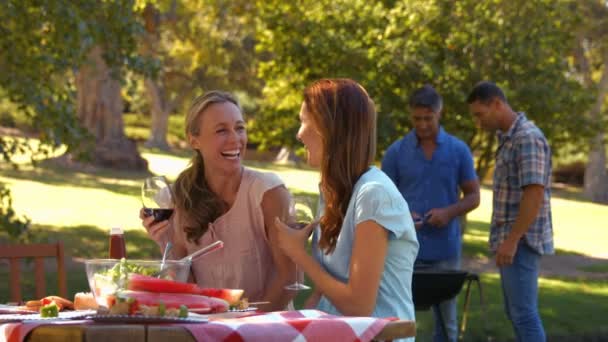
<point>99,109</point>
<point>198,45</point>
<point>591,56</point>
<point>43,43</point>
<point>393,47</point>
<point>160,106</point>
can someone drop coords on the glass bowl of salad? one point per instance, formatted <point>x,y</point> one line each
<point>108,276</point>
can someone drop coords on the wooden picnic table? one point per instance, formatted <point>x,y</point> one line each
<point>159,333</point>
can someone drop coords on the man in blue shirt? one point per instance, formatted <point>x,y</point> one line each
<point>430,168</point>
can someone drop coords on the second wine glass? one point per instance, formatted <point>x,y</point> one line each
<point>302,216</point>
<point>157,198</point>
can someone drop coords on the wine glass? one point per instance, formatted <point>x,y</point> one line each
<point>301,214</point>
<point>157,198</point>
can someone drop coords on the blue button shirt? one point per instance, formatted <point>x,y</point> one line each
<point>375,198</point>
<point>427,184</point>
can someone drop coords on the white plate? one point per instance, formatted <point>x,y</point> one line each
<point>63,315</point>
<point>249,309</point>
<point>146,319</point>
<point>13,309</point>
<point>231,313</point>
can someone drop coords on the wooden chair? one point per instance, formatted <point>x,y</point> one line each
<point>15,253</point>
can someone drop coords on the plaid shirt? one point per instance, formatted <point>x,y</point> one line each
<point>523,157</point>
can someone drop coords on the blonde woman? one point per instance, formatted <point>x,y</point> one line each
<point>217,198</point>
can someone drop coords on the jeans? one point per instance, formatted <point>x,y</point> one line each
<point>520,291</point>
<point>448,308</point>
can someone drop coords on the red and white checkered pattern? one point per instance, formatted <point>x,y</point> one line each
<point>304,325</point>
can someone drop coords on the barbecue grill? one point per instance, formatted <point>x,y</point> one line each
<point>430,287</point>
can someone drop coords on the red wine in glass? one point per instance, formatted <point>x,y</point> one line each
<point>157,198</point>
<point>159,214</point>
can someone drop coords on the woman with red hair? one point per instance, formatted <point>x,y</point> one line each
<point>364,245</point>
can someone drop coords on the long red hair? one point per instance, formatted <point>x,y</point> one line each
<point>345,117</point>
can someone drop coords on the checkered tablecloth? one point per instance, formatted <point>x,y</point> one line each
<point>16,332</point>
<point>303,325</point>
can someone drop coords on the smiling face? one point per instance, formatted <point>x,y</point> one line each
<point>310,137</point>
<point>425,121</point>
<point>221,138</point>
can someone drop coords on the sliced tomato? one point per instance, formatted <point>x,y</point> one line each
<point>138,282</point>
<point>232,296</point>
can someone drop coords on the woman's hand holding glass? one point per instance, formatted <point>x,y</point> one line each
<point>293,237</point>
<point>157,201</point>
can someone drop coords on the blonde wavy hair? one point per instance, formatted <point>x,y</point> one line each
<point>195,202</point>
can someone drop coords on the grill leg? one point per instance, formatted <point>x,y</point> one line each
<point>463,323</point>
<point>441,322</point>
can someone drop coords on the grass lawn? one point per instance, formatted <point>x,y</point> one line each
<point>79,209</point>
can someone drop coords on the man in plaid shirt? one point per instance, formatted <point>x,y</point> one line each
<point>521,229</point>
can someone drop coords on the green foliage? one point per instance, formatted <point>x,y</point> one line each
<point>43,42</point>
<point>11,116</point>
<point>304,41</point>
<point>203,45</point>
<point>395,47</point>
<point>16,228</point>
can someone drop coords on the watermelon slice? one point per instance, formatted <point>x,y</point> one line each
<point>232,296</point>
<point>175,300</point>
<point>138,282</point>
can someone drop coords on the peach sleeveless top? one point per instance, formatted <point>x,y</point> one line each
<point>245,262</point>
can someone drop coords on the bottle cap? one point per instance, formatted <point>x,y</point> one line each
<point>116,231</point>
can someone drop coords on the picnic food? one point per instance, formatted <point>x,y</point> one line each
<point>61,303</point>
<point>139,282</point>
<point>84,301</point>
<point>232,296</point>
<point>107,276</point>
<point>162,304</point>
<point>49,310</point>
<point>126,287</point>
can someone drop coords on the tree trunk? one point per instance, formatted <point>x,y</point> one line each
<point>160,116</point>
<point>287,156</point>
<point>159,105</point>
<point>99,109</point>
<point>596,177</point>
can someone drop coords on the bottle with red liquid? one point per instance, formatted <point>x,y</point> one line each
<point>118,249</point>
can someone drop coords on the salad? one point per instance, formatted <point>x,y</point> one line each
<point>106,282</point>
<point>119,273</point>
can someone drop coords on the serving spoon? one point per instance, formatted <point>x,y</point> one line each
<point>219,244</point>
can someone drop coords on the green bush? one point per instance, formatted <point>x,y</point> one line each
<point>11,116</point>
<point>13,227</point>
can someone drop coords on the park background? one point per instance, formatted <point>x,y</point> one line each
<point>93,96</point>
